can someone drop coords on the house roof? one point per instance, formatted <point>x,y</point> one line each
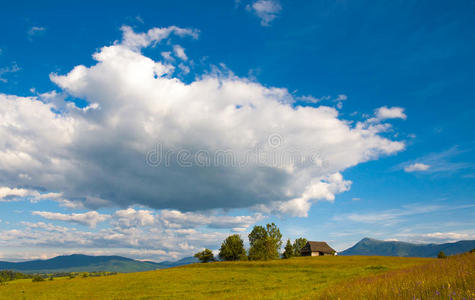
<point>321,247</point>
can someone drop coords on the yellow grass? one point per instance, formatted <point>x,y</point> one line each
<point>281,279</point>
<point>452,278</point>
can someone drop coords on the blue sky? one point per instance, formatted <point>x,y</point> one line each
<point>381,92</point>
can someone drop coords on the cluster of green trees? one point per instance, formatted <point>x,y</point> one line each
<point>12,275</point>
<point>38,278</point>
<point>265,243</point>
<point>293,250</point>
<point>7,275</point>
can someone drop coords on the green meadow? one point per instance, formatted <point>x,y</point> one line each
<point>329,277</point>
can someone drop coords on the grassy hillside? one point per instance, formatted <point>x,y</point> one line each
<point>280,279</point>
<point>452,278</point>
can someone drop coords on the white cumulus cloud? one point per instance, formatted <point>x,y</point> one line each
<point>148,138</point>
<point>132,218</point>
<point>385,112</point>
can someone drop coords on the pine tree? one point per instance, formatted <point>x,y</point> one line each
<point>289,250</point>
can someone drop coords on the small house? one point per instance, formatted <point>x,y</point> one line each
<point>317,249</point>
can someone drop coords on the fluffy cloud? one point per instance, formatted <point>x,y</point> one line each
<point>134,233</point>
<point>319,189</point>
<point>416,167</point>
<point>148,138</point>
<point>180,52</point>
<point>90,218</point>
<point>133,218</point>
<point>13,194</point>
<point>8,192</point>
<point>384,113</point>
<point>266,10</point>
<point>177,219</point>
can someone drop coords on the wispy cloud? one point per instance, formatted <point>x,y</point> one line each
<point>393,216</point>
<point>90,218</point>
<point>6,70</point>
<point>266,10</point>
<point>35,31</point>
<point>415,167</point>
<point>338,99</point>
<point>437,237</point>
<point>440,162</point>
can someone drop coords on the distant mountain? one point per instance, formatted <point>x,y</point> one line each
<point>181,262</point>
<point>85,263</point>
<point>369,246</point>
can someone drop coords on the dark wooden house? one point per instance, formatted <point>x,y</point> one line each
<point>317,249</point>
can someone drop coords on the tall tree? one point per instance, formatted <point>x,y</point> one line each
<point>441,255</point>
<point>298,245</point>
<point>274,233</point>
<point>289,250</point>
<point>233,248</point>
<point>265,242</point>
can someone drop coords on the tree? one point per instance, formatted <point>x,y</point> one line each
<point>205,256</point>
<point>37,278</point>
<point>441,255</point>
<point>298,245</point>
<point>265,242</point>
<point>233,248</point>
<point>289,250</point>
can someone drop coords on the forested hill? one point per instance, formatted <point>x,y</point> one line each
<point>368,246</point>
<point>86,263</point>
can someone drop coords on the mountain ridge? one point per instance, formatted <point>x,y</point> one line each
<point>370,246</point>
<point>88,263</point>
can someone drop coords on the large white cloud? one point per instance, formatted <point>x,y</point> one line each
<point>149,138</point>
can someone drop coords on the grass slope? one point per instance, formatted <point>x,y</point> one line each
<point>279,279</point>
<point>452,278</point>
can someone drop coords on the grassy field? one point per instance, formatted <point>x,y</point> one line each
<point>312,277</point>
<point>452,278</point>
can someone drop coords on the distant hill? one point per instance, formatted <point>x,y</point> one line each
<point>85,263</point>
<point>369,246</point>
<point>181,262</point>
